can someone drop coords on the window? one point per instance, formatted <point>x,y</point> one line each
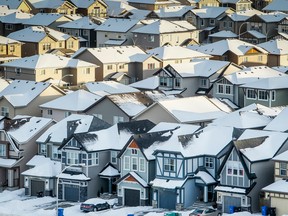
<point>42,149</point>
<point>56,154</point>
<point>260,58</point>
<point>5,111</point>
<point>18,71</point>
<point>109,67</point>
<point>220,88</point>
<point>141,165</point>
<point>202,22</point>
<point>212,22</point>
<point>251,94</point>
<point>46,46</point>
<point>126,163</point>
<point>177,82</point>
<point>134,164</point>
<point>117,119</point>
<point>86,70</point>
<point>151,38</point>
<point>262,95</point>
<point>134,151</point>
<point>70,44</point>
<point>2,48</point>
<point>12,48</point>
<point>8,26</point>
<point>169,165</point>
<point>203,82</point>
<point>42,72</point>
<point>72,158</point>
<point>121,66</point>
<point>50,112</point>
<point>245,59</point>
<point>165,81</point>
<point>235,169</point>
<point>209,162</point>
<point>2,150</point>
<point>283,169</point>
<point>114,157</point>
<point>85,32</point>
<point>273,95</point>
<point>224,24</point>
<point>151,66</point>
<point>68,113</point>
<point>94,158</point>
<point>96,11</point>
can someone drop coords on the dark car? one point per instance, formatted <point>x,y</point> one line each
<point>94,204</point>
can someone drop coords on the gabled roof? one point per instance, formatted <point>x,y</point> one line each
<point>270,83</point>
<point>82,23</point>
<point>150,83</point>
<point>152,1</point>
<point>76,101</point>
<point>279,122</point>
<point>12,4</point>
<point>276,5</point>
<point>255,34</point>
<point>117,7</point>
<point>3,84</point>
<point>86,3</point>
<point>135,176</point>
<point>173,11</point>
<point>280,186</point>
<point>275,47</point>
<point>167,183</point>
<point>109,170</point>
<point>16,17</point>
<point>21,92</point>
<point>117,25</point>
<point>272,17</point>
<point>43,19</point>
<point>224,34</point>
<point>47,3</point>
<point>210,12</point>
<point>243,15</point>
<point>6,40</point>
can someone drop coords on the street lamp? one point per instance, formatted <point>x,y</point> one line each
<point>240,29</point>
<point>67,75</point>
<point>57,181</point>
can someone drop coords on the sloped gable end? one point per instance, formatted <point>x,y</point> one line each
<point>252,51</point>
<point>133,144</point>
<point>130,179</point>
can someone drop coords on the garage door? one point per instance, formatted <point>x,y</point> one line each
<point>37,186</point>
<point>132,197</point>
<point>231,201</point>
<point>72,193</point>
<point>167,199</point>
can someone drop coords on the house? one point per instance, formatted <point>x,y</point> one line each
<point>236,51</point>
<point>39,68</point>
<point>229,86</point>
<point>123,107</point>
<point>237,5</point>
<point>9,49</point>
<point>201,3</point>
<point>138,162</point>
<point>152,4</point>
<point>187,164</point>
<point>56,6</point>
<point>118,8</point>
<point>48,158</point>
<point>277,52</point>
<point>17,5</point>
<point>277,123</point>
<point>199,110</point>
<point>116,32</point>
<point>282,29</point>
<point>73,103</point>
<point>128,60</point>
<point>195,77</point>
<point>247,168</point>
<point>276,193</point>
<point>176,54</point>
<point>23,97</point>
<point>91,8</point>
<point>96,149</point>
<point>82,28</point>
<point>221,35</point>
<point>18,146</point>
<point>275,6</point>
<point>39,40</point>
<point>268,91</point>
<point>156,33</point>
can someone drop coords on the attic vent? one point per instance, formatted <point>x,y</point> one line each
<point>33,88</point>
<point>38,121</point>
<point>19,81</point>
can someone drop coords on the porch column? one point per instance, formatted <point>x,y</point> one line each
<point>10,178</point>
<point>110,186</point>
<point>205,193</point>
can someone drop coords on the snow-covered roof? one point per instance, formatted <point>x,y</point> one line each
<point>156,2</point>
<point>74,176</point>
<point>6,40</point>
<point>6,162</point>
<point>117,7</point>
<point>46,4</point>
<point>44,61</point>
<point>243,15</point>
<point>43,167</point>
<point>76,101</point>
<point>280,186</point>
<point>109,171</point>
<point>109,87</point>
<point>256,34</point>
<point>16,17</point>
<point>167,183</point>
<point>282,156</point>
<point>283,69</point>
<point>82,23</point>
<point>21,92</point>
<point>221,47</point>
<point>275,47</point>
<point>37,33</point>
<point>230,189</point>
<point>150,83</point>
<point>43,19</point>
<point>115,42</point>
<point>269,83</point>
<point>252,74</point>
<point>84,4</point>
<point>267,149</point>
<point>165,26</point>
<point>279,122</point>
<point>209,12</point>
<point>176,52</point>
<point>12,4</point>
<point>138,178</point>
<point>117,25</point>
<point>224,34</point>
<point>173,11</point>
<point>272,17</point>
<point>3,84</point>
<point>277,5</point>
<point>207,178</point>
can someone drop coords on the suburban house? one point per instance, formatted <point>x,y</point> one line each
<point>276,194</point>
<point>18,146</point>
<point>229,86</point>
<point>152,4</point>
<point>199,110</point>
<point>95,149</point>
<point>39,40</point>
<point>201,3</point>
<point>9,49</point>
<point>156,33</point>
<point>236,51</point>
<point>23,97</point>
<point>187,164</point>
<point>17,5</point>
<point>91,8</point>
<point>171,13</point>
<point>195,77</point>
<point>73,103</point>
<point>123,107</point>
<point>277,52</point>
<point>49,155</point>
<point>130,62</point>
<point>83,29</point>
<point>221,35</point>
<point>247,168</point>
<point>283,29</point>
<point>237,5</point>
<point>39,68</point>
<point>274,6</point>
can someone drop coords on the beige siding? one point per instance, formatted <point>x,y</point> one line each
<point>280,204</point>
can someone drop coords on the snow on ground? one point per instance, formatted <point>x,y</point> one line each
<point>15,203</point>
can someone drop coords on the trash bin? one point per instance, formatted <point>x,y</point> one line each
<point>272,211</point>
<point>60,211</point>
<point>130,215</point>
<point>264,210</point>
<point>231,209</point>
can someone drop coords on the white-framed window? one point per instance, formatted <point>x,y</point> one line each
<point>70,44</point>
<point>126,163</point>
<point>169,165</point>
<point>151,66</point>
<point>50,112</point>
<point>43,149</point>
<point>117,119</point>
<point>209,162</point>
<point>109,67</point>
<point>5,111</point>
<point>262,95</point>
<point>234,169</point>
<point>250,94</point>
<point>283,169</point>
<point>114,157</point>
<point>100,116</point>
<point>12,48</point>
<point>177,82</point>
<point>85,70</point>
<point>260,58</point>
<point>94,158</point>
<point>141,164</point>
<point>165,81</point>
<point>46,46</point>
<point>56,154</point>
<point>2,150</point>
<point>72,158</point>
<point>151,38</point>
<point>121,66</point>
<point>203,82</point>
<point>134,163</point>
<point>212,22</point>
<point>134,151</point>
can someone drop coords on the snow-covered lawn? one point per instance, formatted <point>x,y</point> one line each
<point>15,203</point>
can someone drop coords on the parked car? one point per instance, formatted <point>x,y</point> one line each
<point>94,205</point>
<point>205,211</point>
